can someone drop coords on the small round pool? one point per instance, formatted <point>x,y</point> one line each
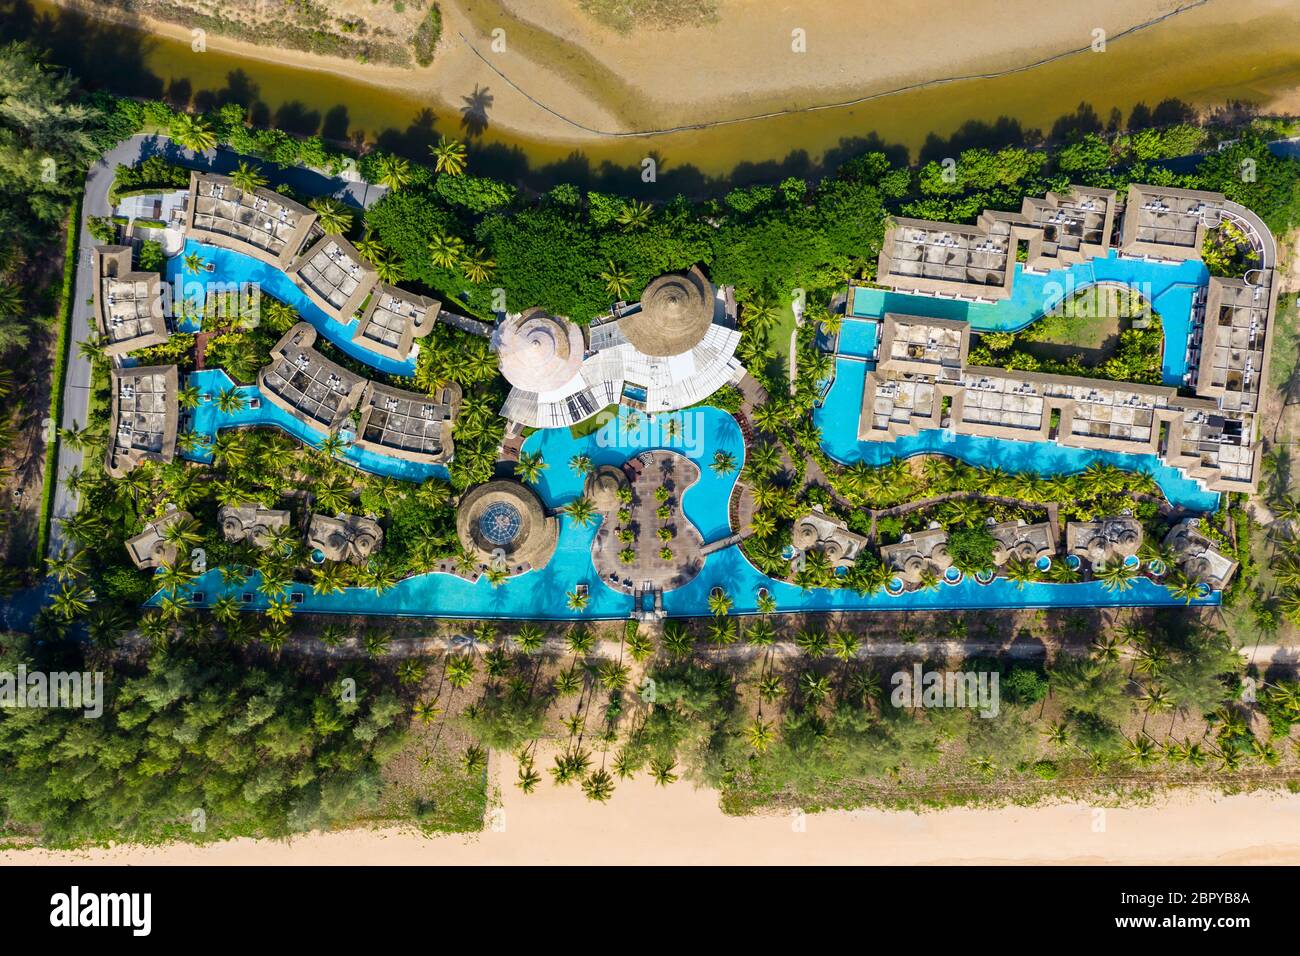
<point>985,577</point>
<point>1074,562</point>
<point>762,593</point>
<point>1202,590</point>
<point>952,575</point>
<point>1157,568</point>
<point>788,553</point>
<point>1131,561</point>
<point>317,556</point>
<point>894,586</point>
<point>1044,563</point>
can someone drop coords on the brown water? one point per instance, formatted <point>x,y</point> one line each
<point>1162,73</point>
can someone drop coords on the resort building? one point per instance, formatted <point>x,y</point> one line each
<point>142,417</point>
<point>922,380</point>
<point>150,549</point>
<point>503,525</point>
<point>818,531</point>
<point>409,425</point>
<point>393,319</point>
<point>128,304</point>
<point>1017,540</point>
<point>306,384</point>
<point>251,523</point>
<point>674,348</point>
<point>1199,557</point>
<point>351,538</point>
<point>1161,222</point>
<point>334,276</point>
<point>263,224</point>
<point>917,555</point>
<point>1104,541</point>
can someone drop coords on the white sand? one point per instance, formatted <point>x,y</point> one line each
<point>678,825</point>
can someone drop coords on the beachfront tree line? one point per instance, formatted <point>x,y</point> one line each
<point>197,742</point>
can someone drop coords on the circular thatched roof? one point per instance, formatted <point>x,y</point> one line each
<point>603,485</point>
<point>676,312</point>
<point>537,351</point>
<point>805,535</point>
<point>505,520</point>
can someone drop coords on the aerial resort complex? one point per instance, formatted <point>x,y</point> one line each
<point>659,514</point>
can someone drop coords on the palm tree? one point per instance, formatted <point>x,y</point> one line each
<point>394,171</point>
<point>1116,576</point>
<point>478,266</point>
<point>617,282</point>
<point>1058,734</point>
<point>634,214</point>
<point>230,401</point>
<point>65,566</point>
<point>581,511</point>
<point>71,602</point>
<point>225,609</point>
<point>332,577</point>
<point>724,463</point>
<point>280,608</point>
<point>446,250</point>
<point>172,577</point>
<point>1187,589</point>
<point>193,132</point>
<point>11,299</point>
<point>530,466</point>
<point>331,215</point>
<point>759,735</point>
<point>662,771</point>
<point>247,177</point>
<point>577,600</point>
<point>194,263</point>
<point>331,446</point>
<point>720,602</point>
<point>448,156</point>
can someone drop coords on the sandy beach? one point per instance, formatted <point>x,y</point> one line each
<point>557,74</point>
<point>646,824</point>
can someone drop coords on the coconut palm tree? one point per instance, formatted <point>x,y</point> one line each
<point>194,262</point>
<point>759,735</point>
<point>230,401</point>
<point>332,577</point>
<point>193,132</point>
<point>634,214</point>
<point>331,446</point>
<point>720,602</point>
<point>246,177</point>
<point>661,770</point>
<point>724,463</point>
<point>530,466</point>
<point>577,600</point>
<point>617,282</point>
<point>1116,576</point>
<point>393,171</point>
<point>11,300</point>
<point>70,602</point>
<point>581,511</point>
<point>171,578</point>
<point>449,156</point>
<point>1187,589</point>
<point>65,566</point>
<point>331,215</point>
<point>478,266</point>
<point>446,250</point>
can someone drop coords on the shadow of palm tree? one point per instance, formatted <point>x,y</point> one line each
<point>474,114</point>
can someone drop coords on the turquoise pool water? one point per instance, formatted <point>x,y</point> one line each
<point>858,338</point>
<point>838,420</point>
<point>209,420</point>
<point>1169,287</point>
<point>235,267</point>
<point>541,594</point>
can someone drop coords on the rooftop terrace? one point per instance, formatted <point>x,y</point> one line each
<point>335,276</point>
<point>409,425</point>
<point>307,384</point>
<point>142,417</point>
<point>393,319</point>
<point>261,223</point>
<point>128,303</point>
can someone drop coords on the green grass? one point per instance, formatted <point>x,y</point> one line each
<point>64,319</point>
<point>594,423</point>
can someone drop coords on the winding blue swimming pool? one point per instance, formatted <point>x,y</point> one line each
<point>208,420</point>
<point>1170,287</point>
<point>235,267</point>
<point>838,420</point>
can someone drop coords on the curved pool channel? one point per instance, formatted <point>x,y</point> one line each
<point>700,434</point>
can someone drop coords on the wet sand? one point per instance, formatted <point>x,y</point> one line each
<point>646,824</point>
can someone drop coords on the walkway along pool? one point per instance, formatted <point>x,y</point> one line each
<point>701,433</point>
<point>237,268</point>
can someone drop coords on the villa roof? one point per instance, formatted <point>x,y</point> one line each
<point>1016,539</point>
<point>251,523</point>
<point>344,537</point>
<point>503,523</point>
<point>1104,539</point>
<point>414,426</point>
<point>676,311</point>
<point>128,303</point>
<point>263,223</point>
<point>819,531</point>
<point>335,276</point>
<point>1169,223</point>
<point>149,549</point>
<point>306,384</point>
<point>1198,556</point>
<point>393,319</point>
<point>916,552</point>
<point>142,417</point>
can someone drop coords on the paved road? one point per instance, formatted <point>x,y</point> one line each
<point>76,383</point>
